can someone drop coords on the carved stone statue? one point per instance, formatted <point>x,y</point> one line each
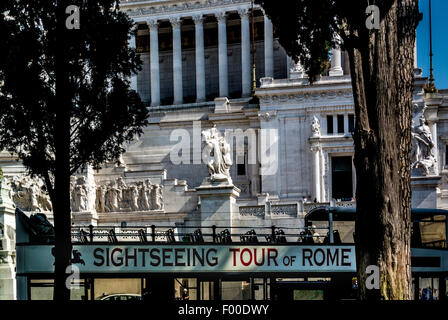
<point>100,204</point>
<point>220,159</point>
<point>44,201</point>
<point>80,198</point>
<point>157,197</point>
<point>121,186</point>
<point>315,127</point>
<point>112,197</point>
<point>144,194</point>
<point>72,192</point>
<point>34,194</point>
<point>81,194</point>
<point>133,194</point>
<point>421,149</point>
<point>295,69</point>
<point>121,163</point>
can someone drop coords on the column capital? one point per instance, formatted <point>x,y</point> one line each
<point>243,12</point>
<point>175,21</point>
<point>315,147</point>
<point>152,23</point>
<point>198,18</point>
<point>221,16</point>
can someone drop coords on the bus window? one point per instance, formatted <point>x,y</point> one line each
<point>429,233</point>
<point>346,230</point>
<point>428,288</point>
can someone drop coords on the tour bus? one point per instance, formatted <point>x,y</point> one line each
<point>315,261</point>
<point>429,253</point>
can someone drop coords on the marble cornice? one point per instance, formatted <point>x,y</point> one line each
<point>332,139</point>
<point>139,10</point>
<point>304,96</point>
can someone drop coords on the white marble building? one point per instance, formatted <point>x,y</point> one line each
<point>197,73</point>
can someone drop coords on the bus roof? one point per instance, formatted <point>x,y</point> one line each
<point>348,214</point>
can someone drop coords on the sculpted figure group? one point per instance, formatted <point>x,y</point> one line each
<point>118,196</point>
<point>219,157</point>
<point>29,193</point>
<point>115,196</point>
<point>82,194</point>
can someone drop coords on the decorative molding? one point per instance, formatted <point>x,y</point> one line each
<point>252,211</point>
<point>244,187</point>
<point>221,16</point>
<point>175,22</point>
<point>153,23</point>
<point>266,116</point>
<point>198,19</point>
<point>243,12</point>
<point>284,210</point>
<point>266,81</point>
<point>155,8</point>
<point>315,148</point>
<point>342,204</point>
<point>292,98</point>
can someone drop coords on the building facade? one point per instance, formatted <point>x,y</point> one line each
<point>288,154</point>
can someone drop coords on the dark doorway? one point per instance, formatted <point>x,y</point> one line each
<point>341,177</point>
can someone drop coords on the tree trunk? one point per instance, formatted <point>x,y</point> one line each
<point>61,201</point>
<point>382,65</point>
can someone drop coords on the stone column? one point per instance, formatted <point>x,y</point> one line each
<point>132,44</point>
<point>245,53</point>
<point>269,153</point>
<point>336,61</point>
<point>346,63</point>
<point>323,197</point>
<point>8,289</point>
<point>346,124</point>
<point>268,48</point>
<point>316,174</point>
<point>200,60</point>
<point>222,49</point>
<point>155,70</point>
<point>335,124</point>
<point>177,61</point>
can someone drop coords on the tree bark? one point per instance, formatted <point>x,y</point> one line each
<point>383,81</point>
<point>61,201</point>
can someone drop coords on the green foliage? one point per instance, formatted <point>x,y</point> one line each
<point>104,112</point>
<point>307,28</point>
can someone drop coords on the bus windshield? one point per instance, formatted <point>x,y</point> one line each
<point>429,227</point>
